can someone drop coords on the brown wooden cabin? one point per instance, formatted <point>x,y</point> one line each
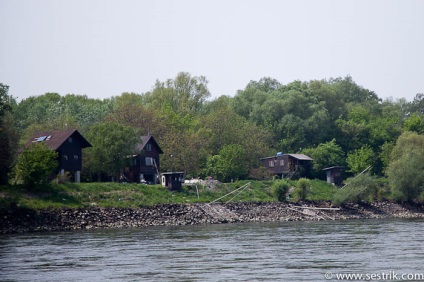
<point>334,175</point>
<point>172,180</point>
<point>68,144</point>
<point>144,167</point>
<point>288,165</point>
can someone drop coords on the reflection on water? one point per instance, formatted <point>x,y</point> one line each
<point>293,251</point>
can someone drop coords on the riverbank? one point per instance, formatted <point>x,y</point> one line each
<point>20,220</point>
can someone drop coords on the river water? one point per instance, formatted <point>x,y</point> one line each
<point>290,251</point>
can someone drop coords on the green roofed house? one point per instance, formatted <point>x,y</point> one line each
<point>68,144</point>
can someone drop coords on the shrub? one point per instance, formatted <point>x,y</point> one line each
<point>62,178</point>
<point>302,189</point>
<point>36,164</point>
<point>280,189</point>
<point>362,188</point>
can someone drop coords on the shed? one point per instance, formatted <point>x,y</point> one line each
<point>334,174</point>
<point>68,144</point>
<point>172,180</point>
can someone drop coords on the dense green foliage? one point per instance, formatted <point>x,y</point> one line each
<point>325,155</point>
<point>36,163</point>
<point>406,169</point>
<point>335,121</point>
<point>280,188</point>
<point>364,187</point>
<point>302,189</point>
<point>8,137</point>
<point>230,163</point>
<point>111,144</point>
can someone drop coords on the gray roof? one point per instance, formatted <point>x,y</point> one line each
<point>334,167</point>
<point>144,140</point>
<point>301,157</point>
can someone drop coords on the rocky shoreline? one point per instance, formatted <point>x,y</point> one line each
<point>19,220</point>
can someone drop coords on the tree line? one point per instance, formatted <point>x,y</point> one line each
<point>335,121</point>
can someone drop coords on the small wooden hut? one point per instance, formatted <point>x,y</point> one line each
<point>334,175</point>
<point>172,180</point>
<point>288,165</point>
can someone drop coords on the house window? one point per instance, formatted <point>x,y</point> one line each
<point>149,161</point>
<point>148,147</point>
<point>70,139</point>
<point>65,157</point>
<point>271,163</point>
<point>281,162</point>
<point>76,157</point>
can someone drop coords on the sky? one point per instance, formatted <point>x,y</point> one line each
<point>102,48</point>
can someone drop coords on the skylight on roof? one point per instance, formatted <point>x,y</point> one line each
<point>42,138</point>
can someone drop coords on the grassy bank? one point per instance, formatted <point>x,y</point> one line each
<point>72,195</point>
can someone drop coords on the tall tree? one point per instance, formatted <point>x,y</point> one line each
<point>229,164</point>
<point>353,93</point>
<point>360,159</point>
<point>405,171</point>
<point>129,109</point>
<point>112,143</point>
<point>325,155</point>
<point>8,136</point>
<point>185,94</point>
<point>417,105</point>
<point>54,112</point>
<point>414,123</point>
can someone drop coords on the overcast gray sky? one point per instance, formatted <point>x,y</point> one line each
<point>102,48</point>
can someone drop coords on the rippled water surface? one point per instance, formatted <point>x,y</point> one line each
<point>293,251</point>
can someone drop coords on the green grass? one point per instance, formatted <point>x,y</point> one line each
<point>321,191</point>
<point>84,195</point>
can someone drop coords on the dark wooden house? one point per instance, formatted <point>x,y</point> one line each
<point>334,175</point>
<point>68,144</point>
<point>144,166</point>
<point>288,165</point>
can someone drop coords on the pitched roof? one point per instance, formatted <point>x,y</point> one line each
<point>334,167</point>
<point>301,157</point>
<point>54,139</point>
<point>144,140</point>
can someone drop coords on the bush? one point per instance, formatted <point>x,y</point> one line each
<point>36,164</point>
<point>62,178</point>
<point>302,189</point>
<point>362,188</point>
<point>280,188</point>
